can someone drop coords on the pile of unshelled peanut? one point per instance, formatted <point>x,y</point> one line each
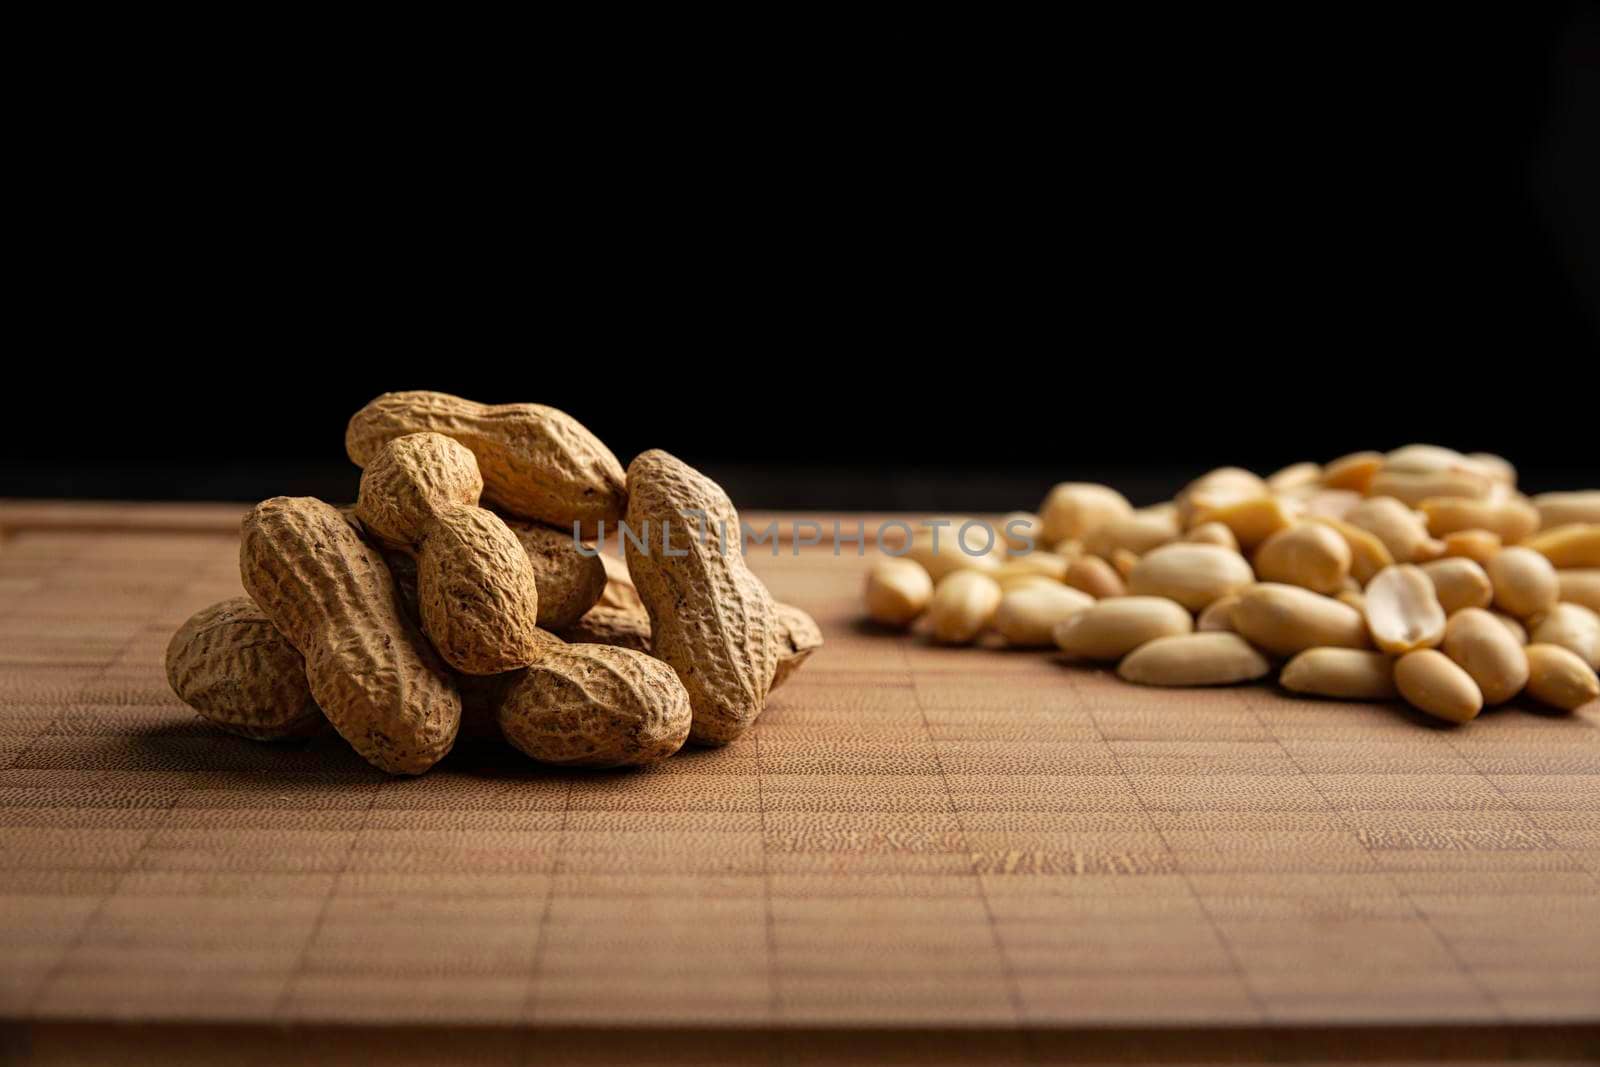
<point>418,614</point>
<point>1421,573</point>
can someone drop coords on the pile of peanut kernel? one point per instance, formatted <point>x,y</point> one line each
<point>1421,574</point>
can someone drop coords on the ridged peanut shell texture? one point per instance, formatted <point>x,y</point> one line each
<point>710,617</point>
<point>602,625</point>
<point>374,676</point>
<point>409,480</point>
<point>230,664</point>
<point>478,594</point>
<point>537,462</point>
<point>596,706</point>
<point>476,587</point>
<point>570,583</point>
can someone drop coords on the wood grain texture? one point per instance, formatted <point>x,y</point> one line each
<point>911,837</point>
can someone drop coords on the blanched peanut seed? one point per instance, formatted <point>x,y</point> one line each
<point>1430,682</point>
<point>1094,576</point>
<point>1137,533</point>
<point>1426,459</point>
<point>1368,553</point>
<point>1564,509</point>
<point>1459,583</point>
<point>1212,533</point>
<point>1009,582</point>
<point>1331,503</point>
<point>1252,519</point>
<point>1113,628</point>
<point>1497,467</point>
<point>1285,619</point>
<point>1573,627</point>
<point>1224,483</point>
<point>898,590</point>
<point>1046,563</point>
<point>1295,476</point>
<point>1194,659</point>
<point>1580,586</point>
<point>1524,582</point>
<point>1577,545</point>
<point>1413,489</point>
<point>1124,561</point>
<point>1559,678</point>
<point>1076,509</point>
<point>1218,615</point>
<point>1513,626</point>
<point>1510,520</point>
<point>945,550</point>
<point>963,604</point>
<point>1403,611</point>
<point>1309,554</point>
<point>1341,673</point>
<point>1354,471</point>
<point>1477,643</point>
<point>1027,617</point>
<point>1194,575</point>
<point>1480,546</point>
<point>1401,530</point>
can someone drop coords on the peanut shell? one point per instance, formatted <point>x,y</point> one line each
<point>569,582</point>
<point>477,591</point>
<point>230,664</point>
<point>602,625</point>
<point>596,706</point>
<point>537,462</point>
<point>800,636</point>
<point>710,617</point>
<point>374,676</point>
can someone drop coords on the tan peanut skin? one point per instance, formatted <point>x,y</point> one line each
<point>477,590</point>
<point>538,463</point>
<point>710,617</point>
<point>596,706</point>
<point>603,625</point>
<point>800,636</point>
<point>378,681</point>
<point>230,664</point>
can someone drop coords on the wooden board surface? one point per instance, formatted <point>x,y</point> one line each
<point>911,837</point>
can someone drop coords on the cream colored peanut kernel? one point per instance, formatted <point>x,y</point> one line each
<point>963,605</point>
<point>1459,583</point>
<point>1194,659</point>
<point>1309,554</point>
<point>1431,682</point>
<point>897,591</point>
<point>1403,610</point>
<point>1479,644</point>
<point>1525,583</point>
<point>1559,678</point>
<point>1194,575</point>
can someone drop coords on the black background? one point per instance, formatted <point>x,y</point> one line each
<point>935,267</point>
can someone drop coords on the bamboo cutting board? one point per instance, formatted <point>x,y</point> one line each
<point>912,838</point>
